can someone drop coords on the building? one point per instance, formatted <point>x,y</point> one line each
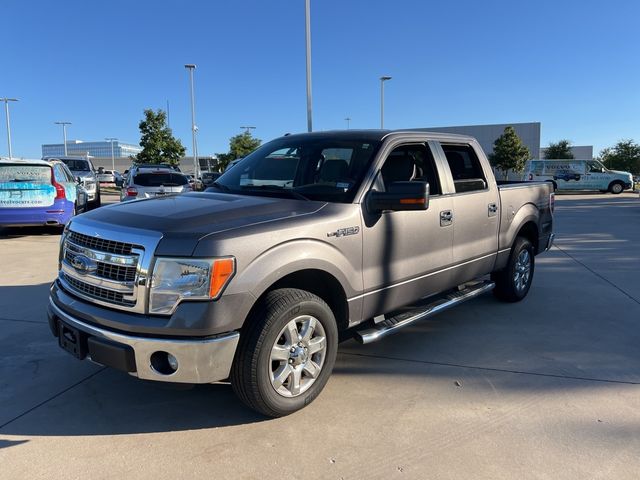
<point>93,149</point>
<point>580,152</point>
<point>529,133</point>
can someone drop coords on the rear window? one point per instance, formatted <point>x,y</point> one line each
<point>25,173</point>
<point>159,179</point>
<point>77,165</point>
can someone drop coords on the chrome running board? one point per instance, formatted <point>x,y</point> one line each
<point>391,325</point>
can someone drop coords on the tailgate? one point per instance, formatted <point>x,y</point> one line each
<point>26,186</point>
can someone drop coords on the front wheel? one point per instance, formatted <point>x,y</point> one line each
<point>286,353</point>
<point>616,188</point>
<point>513,283</point>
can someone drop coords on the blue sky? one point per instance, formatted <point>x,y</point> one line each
<point>572,65</point>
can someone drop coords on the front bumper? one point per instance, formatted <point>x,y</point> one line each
<point>201,360</point>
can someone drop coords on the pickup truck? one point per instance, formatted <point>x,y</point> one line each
<point>311,239</point>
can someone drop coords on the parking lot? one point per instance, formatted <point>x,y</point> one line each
<point>545,388</point>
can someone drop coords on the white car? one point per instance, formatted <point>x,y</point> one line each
<point>150,183</point>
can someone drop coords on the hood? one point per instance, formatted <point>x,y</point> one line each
<point>184,219</point>
<point>619,172</point>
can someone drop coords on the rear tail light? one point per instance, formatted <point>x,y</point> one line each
<point>132,192</point>
<point>60,195</point>
<point>552,201</point>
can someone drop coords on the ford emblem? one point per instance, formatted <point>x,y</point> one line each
<point>83,265</point>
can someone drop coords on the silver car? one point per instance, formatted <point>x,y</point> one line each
<point>150,183</point>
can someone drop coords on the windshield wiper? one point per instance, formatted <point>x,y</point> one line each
<point>276,189</point>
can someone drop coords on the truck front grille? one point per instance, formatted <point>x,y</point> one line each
<point>100,244</point>
<point>98,292</point>
<point>102,271</point>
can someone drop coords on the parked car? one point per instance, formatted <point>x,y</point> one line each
<point>84,169</point>
<point>209,177</point>
<point>37,192</point>
<point>108,176</point>
<point>316,236</point>
<point>154,182</point>
<point>578,175</point>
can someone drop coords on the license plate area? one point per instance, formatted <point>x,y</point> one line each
<point>72,340</point>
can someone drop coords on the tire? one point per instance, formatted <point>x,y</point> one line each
<point>97,203</point>
<point>268,385</point>
<point>513,283</point>
<point>616,188</point>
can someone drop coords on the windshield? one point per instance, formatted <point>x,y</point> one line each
<point>159,179</point>
<point>328,170</point>
<point>77,165</point>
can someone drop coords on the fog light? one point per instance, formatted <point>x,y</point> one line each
<point>173,362</point>
<point>164,363</point>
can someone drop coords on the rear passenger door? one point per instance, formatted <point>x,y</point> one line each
<point>475,214</point>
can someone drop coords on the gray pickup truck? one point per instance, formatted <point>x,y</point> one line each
<point>311,239</point>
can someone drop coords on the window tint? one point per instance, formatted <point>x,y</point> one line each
<point>465,168</point>
<point>411,163</point>
<point>59,175</point>
<point>76,165</point>
<point>158,179</point>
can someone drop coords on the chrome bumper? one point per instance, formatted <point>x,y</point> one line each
<point>199,361</point>
<point>550,242</point>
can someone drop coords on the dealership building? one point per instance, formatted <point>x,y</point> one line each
<point>529,133</point>
<point>91,149</point>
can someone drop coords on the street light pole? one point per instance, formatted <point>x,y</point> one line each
<point>382,80</point>
<point>348,119</point>
<point>248,129</point>
<point>64,134</point>
<point>113,158</point>
<point>307,11</point>
<point>191,67</point>
<point>6,111</point>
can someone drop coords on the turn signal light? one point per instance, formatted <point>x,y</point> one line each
<point>222,272</point>
<point>412,201</point>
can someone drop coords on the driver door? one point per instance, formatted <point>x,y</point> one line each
<point>406,254</point>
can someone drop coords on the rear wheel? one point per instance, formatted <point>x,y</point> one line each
<point>286,354</point>
<point>616,188</point>
<point>513,283</point>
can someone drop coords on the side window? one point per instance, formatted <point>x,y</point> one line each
<point>594,167</point>
<point>68,174</point>
<point>409,163</point>
<point>59,175</point>
<point>465,167</point>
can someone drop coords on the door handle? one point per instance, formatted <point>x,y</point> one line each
<point>446,218</point>
<point>493,209</point>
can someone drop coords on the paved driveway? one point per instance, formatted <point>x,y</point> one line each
<point>547,388</point>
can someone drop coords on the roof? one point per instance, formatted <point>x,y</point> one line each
<point>23,161</point>
<point>374,135</point>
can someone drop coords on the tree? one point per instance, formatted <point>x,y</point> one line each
<point>558,151</point>
<point>157,140</point>
<point>624,155</point>
<point>240,146</point>
<point>509,153</point>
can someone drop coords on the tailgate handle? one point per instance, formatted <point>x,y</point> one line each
<point>493,209</point>
<point>446,218</point>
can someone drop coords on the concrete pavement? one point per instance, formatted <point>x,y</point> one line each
<point>546,388</point>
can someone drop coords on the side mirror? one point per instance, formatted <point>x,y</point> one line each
<point>100,169</point>
<point>78,180</point>
<point>400,196</point>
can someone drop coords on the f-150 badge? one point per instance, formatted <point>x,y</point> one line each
<point>343,232</point>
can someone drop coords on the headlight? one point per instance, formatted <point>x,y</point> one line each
<point>90,185</point>
<point>177,279</point>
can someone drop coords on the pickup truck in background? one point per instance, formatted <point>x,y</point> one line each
<point>310,239</point>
